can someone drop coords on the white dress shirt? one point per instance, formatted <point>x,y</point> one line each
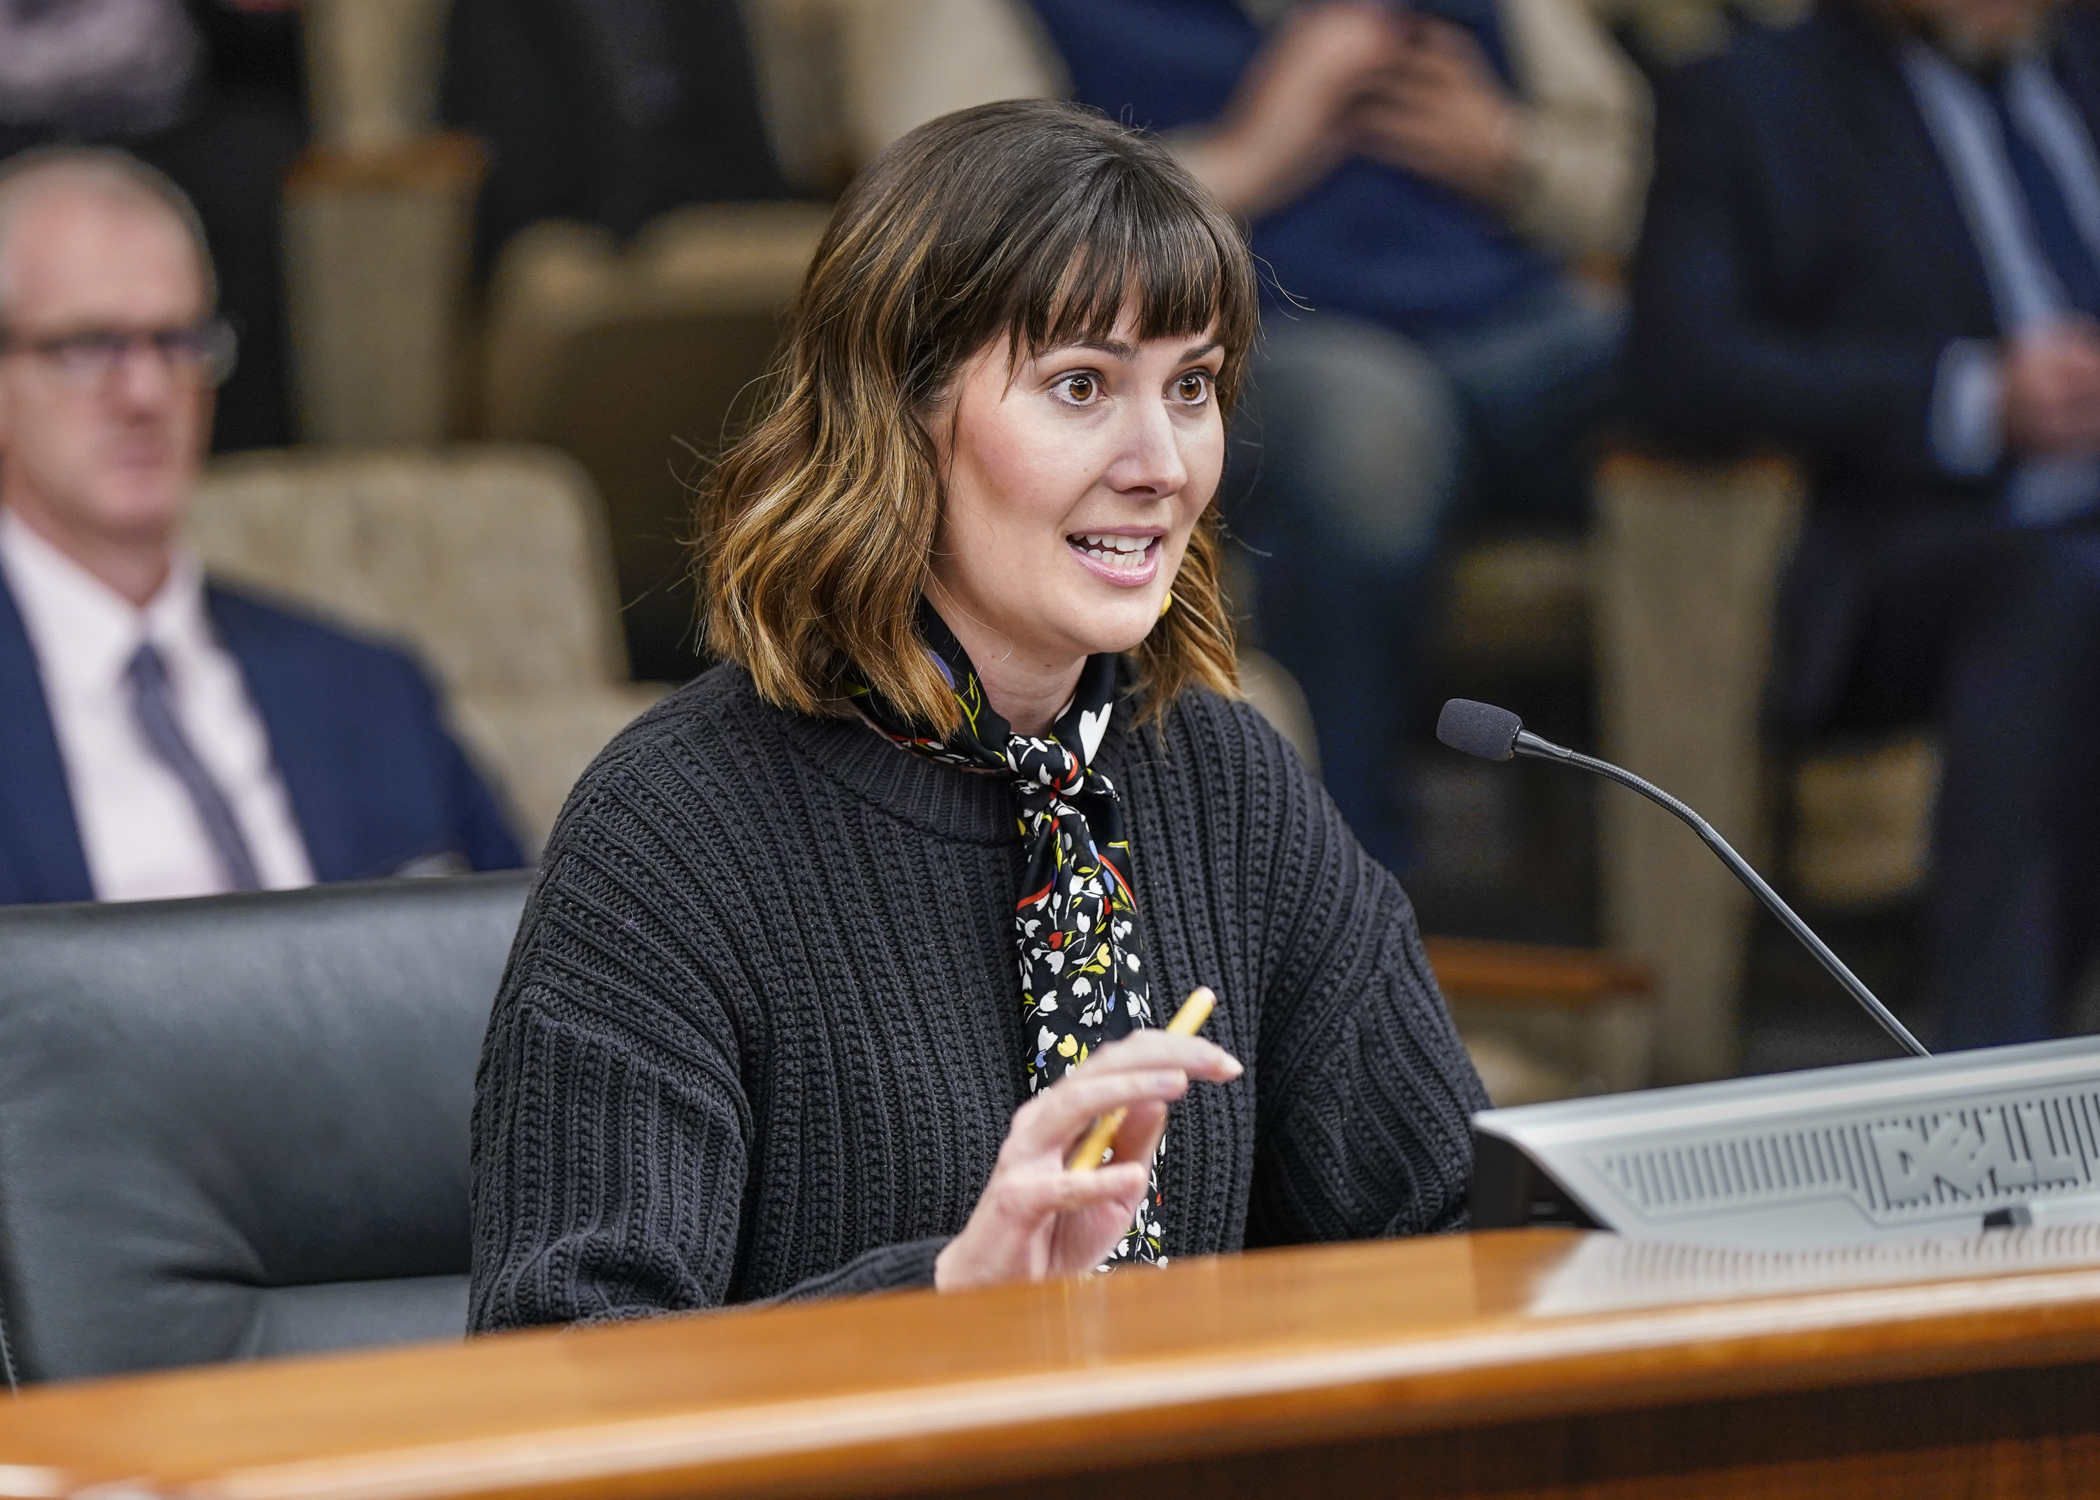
<point>138,827</point>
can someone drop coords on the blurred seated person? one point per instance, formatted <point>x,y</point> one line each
<point>161,735</point>
<point>1874,243</point>
<point>212,93</point>
<point>1417,180</point>
<point>605,111</point>
<point>776,1024</point>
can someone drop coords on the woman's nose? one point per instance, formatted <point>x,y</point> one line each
<point>1151,461</point>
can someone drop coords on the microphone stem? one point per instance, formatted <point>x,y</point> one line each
<point>1531,745</point>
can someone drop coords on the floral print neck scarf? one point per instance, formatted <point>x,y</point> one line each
<point>1083,979</point>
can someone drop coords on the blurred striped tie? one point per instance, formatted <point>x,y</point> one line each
<point>153,710</point>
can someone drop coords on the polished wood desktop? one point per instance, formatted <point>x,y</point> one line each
<point>1521,1363</point>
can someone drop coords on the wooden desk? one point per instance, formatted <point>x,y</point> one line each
<point>1514,1364</point>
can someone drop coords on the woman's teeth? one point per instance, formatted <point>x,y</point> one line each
<point>1116,551</point>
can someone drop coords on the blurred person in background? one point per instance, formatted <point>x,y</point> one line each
<point>160,735</point>
<point>1874,242</point>
<point>605,111</point>
<point>1417,181</point>
<point>212,93</point>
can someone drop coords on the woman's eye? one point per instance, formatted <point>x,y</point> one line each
<point>1193,387</point>
<point>1080,389</point>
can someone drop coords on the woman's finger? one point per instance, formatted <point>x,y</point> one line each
<point>1196,1056</point>
<point>1056,1118</point>
<point>1041,1195</point>
<point>1138,1135</point>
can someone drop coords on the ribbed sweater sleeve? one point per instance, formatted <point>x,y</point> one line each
<point>646,1219</point>
<point>1373,1094</point>
<point>1372,1133</point>
<point>1364,1092</point>
<point>612,1132</point>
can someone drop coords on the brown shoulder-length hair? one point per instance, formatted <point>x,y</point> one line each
<point>1031,220</point>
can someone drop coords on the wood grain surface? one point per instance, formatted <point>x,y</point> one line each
<point>1517,1363</point>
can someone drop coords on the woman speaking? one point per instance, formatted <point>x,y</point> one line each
<point>839,952</point>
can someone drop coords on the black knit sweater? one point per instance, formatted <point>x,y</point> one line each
<point>761,1032</point>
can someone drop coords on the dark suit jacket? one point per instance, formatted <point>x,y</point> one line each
<point>1802,267</point>
<point>375,781</point>
<point>1804,262</point>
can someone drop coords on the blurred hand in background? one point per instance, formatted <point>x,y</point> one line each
<point>1437,109</point>
<point>1349,77</point>
<point>1288,124</point>
<point>2052,390</point>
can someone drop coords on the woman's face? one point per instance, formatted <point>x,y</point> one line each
<point>1073,482</point>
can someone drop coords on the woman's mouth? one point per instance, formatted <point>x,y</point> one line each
<point>1120,559</point>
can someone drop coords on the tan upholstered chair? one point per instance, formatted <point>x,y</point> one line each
<point>489,562</point>
<point>1688,562</point>
<point>633,361</point>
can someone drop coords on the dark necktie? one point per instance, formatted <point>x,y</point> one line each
<point>2049,211</point>
<point>153,710</point>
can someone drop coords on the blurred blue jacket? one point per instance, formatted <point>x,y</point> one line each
<point>376,783</point>
<point>1370,240</point>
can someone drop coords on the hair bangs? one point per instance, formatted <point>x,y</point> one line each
<point>1132,246</point>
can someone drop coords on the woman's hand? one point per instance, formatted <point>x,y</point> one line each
<point>1037,1220</point>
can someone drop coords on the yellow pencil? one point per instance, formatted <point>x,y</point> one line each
<point>1187,1022</point>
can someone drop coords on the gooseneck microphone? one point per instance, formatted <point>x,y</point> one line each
<point>1497,734</point>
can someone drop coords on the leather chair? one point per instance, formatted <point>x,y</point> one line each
<point>237,1127</point>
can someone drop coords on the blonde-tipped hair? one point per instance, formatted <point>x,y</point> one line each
<point>1029,221</point>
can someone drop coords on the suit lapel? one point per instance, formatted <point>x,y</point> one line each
<point>295,715</point>
<point>1911,180</point>
<point>41,858</point>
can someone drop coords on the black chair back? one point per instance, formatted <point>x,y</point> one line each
<point>237,1126</point>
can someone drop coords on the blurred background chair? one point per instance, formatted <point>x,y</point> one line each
<point>379,217</point>
<point>490,562</point>
<point>1689,559</point>
<point>236,1126</point>
<point>636,361</point>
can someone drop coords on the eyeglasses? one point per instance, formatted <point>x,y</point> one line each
<point>90,357</point>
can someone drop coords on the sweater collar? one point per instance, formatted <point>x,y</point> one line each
<point>948,802</point>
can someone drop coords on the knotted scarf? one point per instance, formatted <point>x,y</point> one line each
<point>1083,979</point>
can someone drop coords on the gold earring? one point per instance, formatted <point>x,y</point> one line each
<point>1169,604</point>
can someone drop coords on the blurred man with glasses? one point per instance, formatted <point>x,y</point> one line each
<point>159,735</point>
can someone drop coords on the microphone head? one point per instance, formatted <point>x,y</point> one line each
<point>1479,729</point>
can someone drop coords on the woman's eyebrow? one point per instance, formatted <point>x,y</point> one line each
<point>1115,348</point>
<point>1118,349</point>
